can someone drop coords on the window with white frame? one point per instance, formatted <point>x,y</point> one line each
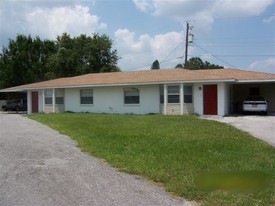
<point>188,94</point>
<point>173,94</point>
<point>48,96</point>
<point>59,96</point>
<point>86,96</point>
<point>131,96</point>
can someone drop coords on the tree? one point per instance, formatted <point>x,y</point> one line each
<point>179,66</point>
<point>155,65</point>
<point>27,60</point>
<point>196,63</point>
<point>82,55</point>
<point>24,60</point>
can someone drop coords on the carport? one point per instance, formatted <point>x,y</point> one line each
<point>239,91</point>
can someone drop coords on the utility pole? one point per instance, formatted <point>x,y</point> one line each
<point>187,41</point>
<point>186,45</point>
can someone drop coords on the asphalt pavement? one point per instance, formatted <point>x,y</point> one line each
<point>39,166</point>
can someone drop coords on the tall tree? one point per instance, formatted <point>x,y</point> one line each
<point>195,63</point>
<point>155,65</point>
<point>82,55</point>
<point>24,60</point>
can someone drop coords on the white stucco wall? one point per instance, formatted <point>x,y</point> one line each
<point>111,100</point>
<point>198,98</point>
<point>223,99</point>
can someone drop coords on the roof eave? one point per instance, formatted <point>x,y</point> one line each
<point>13,90</point>
<point>121,84</point>
<point>255,80</point>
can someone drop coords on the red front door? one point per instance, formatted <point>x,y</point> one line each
<point>34,102</point>
<point>210,100</point>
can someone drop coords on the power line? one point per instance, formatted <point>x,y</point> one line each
<point>171,52</point>
<point>214,56</point>
<point>147,65</point>
<point>241,55</point>
<point>244,55</point>
<point>138,67</point>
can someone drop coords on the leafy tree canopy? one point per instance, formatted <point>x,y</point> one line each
<point>179,66</point>
<point>27,60</point>
<point>196,63</point>
<point>82,55</point>
<point>24,60</point>
<point>155,65</point>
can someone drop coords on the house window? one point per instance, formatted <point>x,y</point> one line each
<point>173,94</point>
<point>86,96</point>
<point>48,96</point>
<point>59,97</point>
<point>131,96</point>
<point>188,94</point>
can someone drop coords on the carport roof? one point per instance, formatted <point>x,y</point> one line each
<point>150,77</point>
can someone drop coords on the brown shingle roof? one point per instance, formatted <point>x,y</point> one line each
<point>150,77</point>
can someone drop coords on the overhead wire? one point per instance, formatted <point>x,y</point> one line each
<point>171,52</point>
<point>217,56</point>
<point>214,55</point>
<point>164,60</point>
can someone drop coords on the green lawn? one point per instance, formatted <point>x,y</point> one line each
<point>177,151</point>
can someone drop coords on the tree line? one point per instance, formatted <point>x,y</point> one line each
<point>194,63</point>
<point>27,59</point>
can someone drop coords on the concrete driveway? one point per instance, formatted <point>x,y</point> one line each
<point>262,127</point>
<point>39,166</point>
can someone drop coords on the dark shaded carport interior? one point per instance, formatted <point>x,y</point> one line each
<point>13,95</point>
<point>239,91</point>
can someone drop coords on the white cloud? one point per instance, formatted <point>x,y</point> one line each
<point>203,11</point>
<point>46,19</point>
<point>142,5</point>
<point>179,8</point>
<point>143,50</point>
<point>267,65</point>
<point>189,8</point>
<point>270,19</point>
<point>237,8</point>
<point>51,22</point>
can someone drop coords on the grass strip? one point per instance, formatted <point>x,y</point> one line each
<point>173,151</point>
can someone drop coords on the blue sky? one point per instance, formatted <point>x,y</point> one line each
<point>231,33</point>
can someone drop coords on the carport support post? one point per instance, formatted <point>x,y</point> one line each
<point>53,100</point>
<point>181,98</point>
<point>29,102</point>
<point>43,100</point>
<point>165,99</point>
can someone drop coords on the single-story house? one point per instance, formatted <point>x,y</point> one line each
<point>163,91</point>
